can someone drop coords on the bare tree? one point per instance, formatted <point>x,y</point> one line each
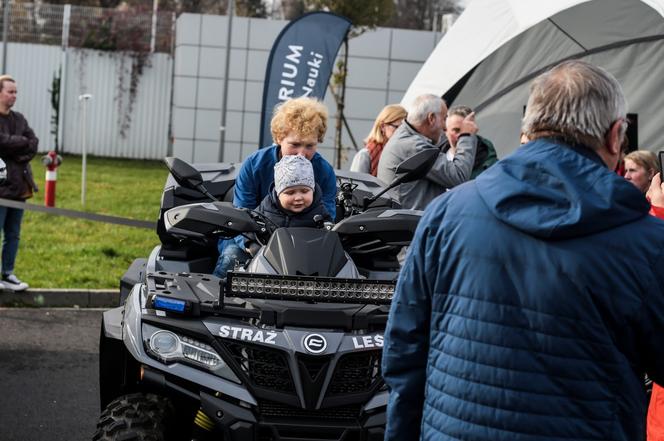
<point>291,9</point>
<point>251,8</point>
<point>421,14</point>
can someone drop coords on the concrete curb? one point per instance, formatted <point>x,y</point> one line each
<point>46,297</point>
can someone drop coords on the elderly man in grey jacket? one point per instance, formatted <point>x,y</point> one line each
<point>423,129</point>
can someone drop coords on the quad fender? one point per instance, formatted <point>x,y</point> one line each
<point>118,370</point>
<point>111,323</point>
<point>134,274</point>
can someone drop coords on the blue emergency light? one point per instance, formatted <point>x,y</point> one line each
<point>168,304</point>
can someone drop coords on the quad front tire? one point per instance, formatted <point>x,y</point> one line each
<point>136,417</point>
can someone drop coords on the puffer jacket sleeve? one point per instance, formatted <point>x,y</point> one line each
<point>245,194</point>
<point>407,335</point>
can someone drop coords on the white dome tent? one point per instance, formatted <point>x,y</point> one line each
<point>489,57</point>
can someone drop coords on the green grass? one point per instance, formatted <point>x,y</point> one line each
<point>61,252</point>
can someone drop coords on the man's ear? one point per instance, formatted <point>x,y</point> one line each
<point>431,119</point>
<point>614,139</point>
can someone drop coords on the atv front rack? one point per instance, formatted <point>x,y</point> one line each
<point>309,288</point>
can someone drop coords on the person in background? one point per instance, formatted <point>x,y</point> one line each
<point>640,167</point>
<point>387,121</point>
<point>18,145</point>
<point>531,303</point>
<point>423,129</point>
<point>485,156</point>
<point>655,417</point>
<point>298,125</point>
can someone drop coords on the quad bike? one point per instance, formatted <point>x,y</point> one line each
<point>286,347</point>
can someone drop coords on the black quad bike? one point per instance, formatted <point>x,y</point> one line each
<point>287,347</point>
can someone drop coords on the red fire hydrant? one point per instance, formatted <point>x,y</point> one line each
<point>51,161</point>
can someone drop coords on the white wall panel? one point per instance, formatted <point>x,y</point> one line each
<point>382,64</point>
<point>206,151</point>
<point>207,125</point>
<point>374,44</point>
<point>412,45</point>
<point>402,73</point>
<point>186,60</point>
<point>187,29</point>
<point>370,73</point>
<point>256,64</point>
<point>263,33</point>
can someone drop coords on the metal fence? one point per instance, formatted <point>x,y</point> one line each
<point>123,58</point>
<point>129,29</point>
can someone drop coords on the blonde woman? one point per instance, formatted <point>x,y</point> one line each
<point>387,121</point>
<point>640,167</point>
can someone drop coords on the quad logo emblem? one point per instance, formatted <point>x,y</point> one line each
<point>314,343</point>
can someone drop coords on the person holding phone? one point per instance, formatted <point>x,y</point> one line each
<point>655,418</point>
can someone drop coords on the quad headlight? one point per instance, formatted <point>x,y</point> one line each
<point>170,347</point>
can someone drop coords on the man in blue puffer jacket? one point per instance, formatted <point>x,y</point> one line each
<point>532,299</point>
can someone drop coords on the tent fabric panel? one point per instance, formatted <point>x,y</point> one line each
<point>539,46</point>
<point>545,44</point>
<point>639,70</point>
<point>501,120</point>
<point>463,47</point>
<point>657,5</point>
<point>603,22</point>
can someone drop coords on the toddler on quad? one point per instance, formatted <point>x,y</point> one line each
<point>294,199</point>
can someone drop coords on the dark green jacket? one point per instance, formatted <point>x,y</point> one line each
<point>485,156</point>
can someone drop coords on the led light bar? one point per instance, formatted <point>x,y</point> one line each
<point>318,289</point>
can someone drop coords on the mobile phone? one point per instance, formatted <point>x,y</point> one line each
<point>660,156</point>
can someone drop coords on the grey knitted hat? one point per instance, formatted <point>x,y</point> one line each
<point>293,170</point>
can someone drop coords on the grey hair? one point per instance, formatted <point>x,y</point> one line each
<point>576,101</point>
<point>422,107</point>
<point>462,111</point>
